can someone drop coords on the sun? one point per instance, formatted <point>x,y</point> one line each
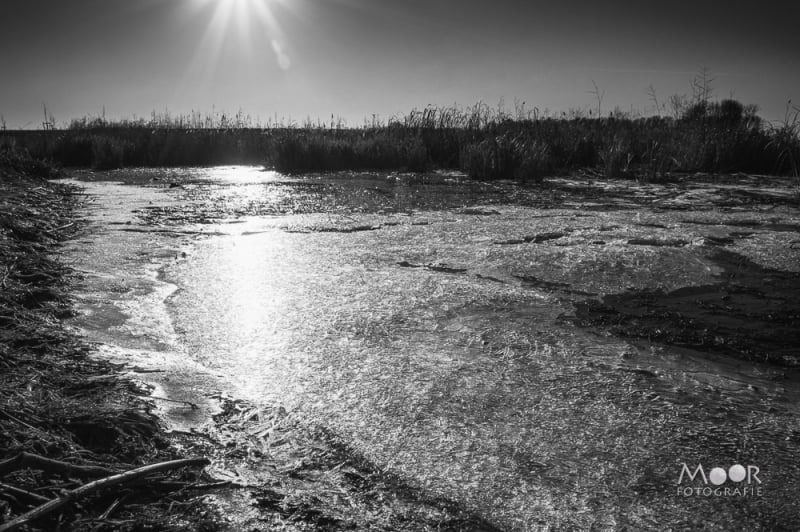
<point>250,24</point>
<point>247,8</point>
<point>245,12</point>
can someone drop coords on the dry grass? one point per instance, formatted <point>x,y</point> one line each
<point>56,400</point>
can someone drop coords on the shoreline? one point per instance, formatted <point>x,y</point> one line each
<point>65,410</point>
<point>79,417</point>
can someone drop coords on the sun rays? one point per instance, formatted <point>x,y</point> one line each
<point>247,28</point>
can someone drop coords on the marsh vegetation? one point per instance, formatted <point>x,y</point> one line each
<point>486,143</point>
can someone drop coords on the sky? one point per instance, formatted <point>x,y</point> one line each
<point>296,59</point>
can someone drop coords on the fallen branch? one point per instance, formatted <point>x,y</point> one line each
<point>91,487</point>
<point>16,420</point>
<point>113,507</point>
<point>18,492</point>
<point>34,461</point>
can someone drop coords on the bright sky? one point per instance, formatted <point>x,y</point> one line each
<point>355,58</point>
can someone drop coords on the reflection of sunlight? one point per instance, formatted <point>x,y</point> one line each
<point>244,188</point>
<point>241,174</point>
<point>247,195</point>
<point>254,301</point>
<point>252,309</point>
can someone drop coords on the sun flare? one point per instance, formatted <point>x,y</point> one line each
<point>246,13</point>
<point>245,7</point>
<point>250,26</point>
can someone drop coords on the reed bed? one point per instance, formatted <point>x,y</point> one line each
<point>485,143</point>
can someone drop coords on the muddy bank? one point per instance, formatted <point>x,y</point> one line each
<point>753,313</point>
<point>68,419</point>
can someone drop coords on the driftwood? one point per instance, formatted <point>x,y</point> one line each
<point>96,485</point>
<point>34,461</point>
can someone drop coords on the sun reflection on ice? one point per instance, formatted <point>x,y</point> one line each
<point>252,311</point>
<point>246,193</point>
<point>241,174</point>
<point>251,302</point>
